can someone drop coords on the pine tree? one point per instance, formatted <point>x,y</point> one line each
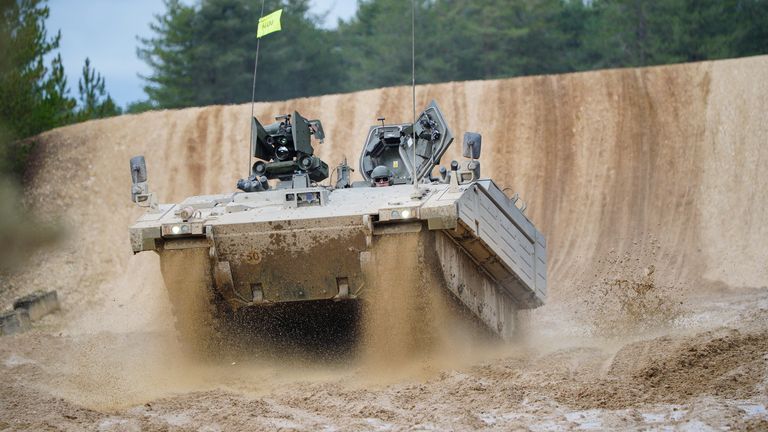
<point>27,89</point>
<point>377,43</point>
<point>95,102</point>
<point>34,98</point>
<point>624,33</point>
<point>204,54</point>
<point>166,54</point>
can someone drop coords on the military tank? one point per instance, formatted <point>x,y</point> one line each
<point>286,239</point>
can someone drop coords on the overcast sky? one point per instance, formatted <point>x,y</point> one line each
<point>106,30</point>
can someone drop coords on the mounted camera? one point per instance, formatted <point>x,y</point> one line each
<point>140,193</point>
<point>468,170</point>
<point>285,152</point>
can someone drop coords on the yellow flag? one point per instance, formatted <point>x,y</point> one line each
<point>269,23</point>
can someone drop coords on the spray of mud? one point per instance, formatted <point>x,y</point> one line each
<point>159,336</point>
<point>411,325</point>
<point>187,282</point>
<point>396,319</point>
<point>409,330</point>
<point>124,348</point>
<point>629,292</point>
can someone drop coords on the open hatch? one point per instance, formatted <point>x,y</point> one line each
<point>391,146</point>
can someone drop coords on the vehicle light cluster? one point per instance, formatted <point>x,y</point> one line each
<point>403,213</point>
<point>181,229</point>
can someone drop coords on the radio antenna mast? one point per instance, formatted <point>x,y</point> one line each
<point>413,90</point>
<point>253,96</point>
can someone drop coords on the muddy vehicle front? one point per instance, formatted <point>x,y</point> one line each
<point>287,239</point>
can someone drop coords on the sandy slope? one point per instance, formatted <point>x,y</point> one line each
<point>663,166</point>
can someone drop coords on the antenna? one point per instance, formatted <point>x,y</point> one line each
<point>413,90</point>
<point>253,96</point>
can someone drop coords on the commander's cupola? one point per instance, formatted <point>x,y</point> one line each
<point>392,146</point>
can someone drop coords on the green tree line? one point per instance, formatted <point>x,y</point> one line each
<point>35,97</point>
<point>203,53</point>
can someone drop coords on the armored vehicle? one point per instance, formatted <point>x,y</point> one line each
<point>285,238</point>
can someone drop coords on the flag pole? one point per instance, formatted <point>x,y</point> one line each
<point>253,94</point>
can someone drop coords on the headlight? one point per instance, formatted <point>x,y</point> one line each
<point>398,214</point>
<point>182,229</point>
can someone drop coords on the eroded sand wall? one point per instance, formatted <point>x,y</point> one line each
<point>602,158</point>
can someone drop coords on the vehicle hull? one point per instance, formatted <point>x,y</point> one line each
<point>263,249</point>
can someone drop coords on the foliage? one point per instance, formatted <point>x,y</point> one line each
<point>30,92</point>
<point>622,33</point>
<point>202,53</point>
<point>95,102</point>
<point>34,97</point>
<point>377,43</point>
<point>140,106</point>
